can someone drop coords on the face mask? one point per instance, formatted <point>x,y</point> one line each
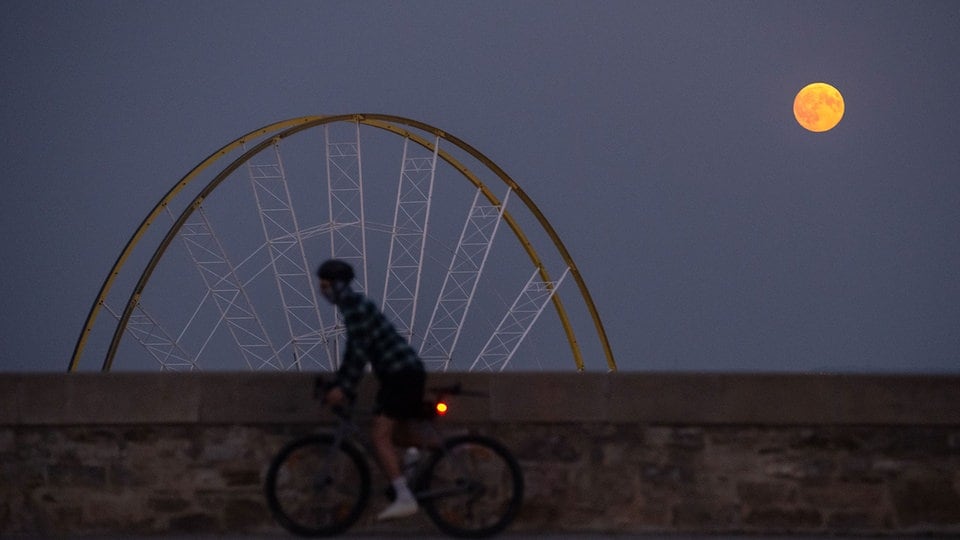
<point>335,292</point>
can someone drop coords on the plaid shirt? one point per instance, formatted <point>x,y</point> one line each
<point>371,338</point>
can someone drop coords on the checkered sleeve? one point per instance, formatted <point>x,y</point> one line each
<point>357,319</point>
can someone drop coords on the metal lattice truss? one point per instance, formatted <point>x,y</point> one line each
<point>460,283</point>
<point>407,241</point>
<point>228,292</point>
<point>525,311</point>
<point>348,226</point>
<point>348,235</point>
<point>294,278</point>
<point>158,343</point>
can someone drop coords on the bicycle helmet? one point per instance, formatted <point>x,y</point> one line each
<point>335,270</point>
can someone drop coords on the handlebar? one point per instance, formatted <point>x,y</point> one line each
<point>320,388</point>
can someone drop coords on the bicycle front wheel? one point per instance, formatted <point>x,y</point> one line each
<point>315,488</point>
<point>472,487</point>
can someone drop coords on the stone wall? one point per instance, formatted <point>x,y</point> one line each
<point>149,453</point>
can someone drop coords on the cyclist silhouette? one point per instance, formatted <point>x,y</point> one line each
<point>372,339</point>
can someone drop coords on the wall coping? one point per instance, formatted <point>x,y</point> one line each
<point>546,397</point>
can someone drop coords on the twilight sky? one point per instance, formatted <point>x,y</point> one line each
<point>715,233</point>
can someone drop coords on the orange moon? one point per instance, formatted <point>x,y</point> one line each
<point>818,107</point>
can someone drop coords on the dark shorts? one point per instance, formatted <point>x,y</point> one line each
<point>401,395</point>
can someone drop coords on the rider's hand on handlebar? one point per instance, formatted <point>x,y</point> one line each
<point>335,397</point>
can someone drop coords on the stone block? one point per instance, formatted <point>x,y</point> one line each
<point>167,504</point>
<point>784,519</point>
<point>10,399</point>
<point>533,397</point>
<point>705,515</point>
<point>925,502</point>
<point>123,398</point>
<point>660,398</point>
<point>857,520</point>
<point>757,494</point>
<point>42,399</point>
<point>245,514</point>
<point>258,398</point>
<point>195,523</point>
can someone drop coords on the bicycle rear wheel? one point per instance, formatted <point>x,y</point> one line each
<point>315,488</point>
<point>471,488</point>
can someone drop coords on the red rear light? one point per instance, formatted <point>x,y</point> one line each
<point>441,408</point>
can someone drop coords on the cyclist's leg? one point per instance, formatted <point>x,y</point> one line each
<point>399,398</point>
<point>383,429</point>
<point>399,402</point>
<point>405,503</point>
<point>420,432</point>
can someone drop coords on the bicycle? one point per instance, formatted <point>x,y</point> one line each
<point>469,485</point>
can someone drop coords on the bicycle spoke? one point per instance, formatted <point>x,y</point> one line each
<point>474,488</point>
<point>315,488</point>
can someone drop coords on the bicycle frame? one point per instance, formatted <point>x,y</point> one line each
<point>453,480</point>
<point>348,430</point>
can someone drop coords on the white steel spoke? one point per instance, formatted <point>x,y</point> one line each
<point>516,323</point>
<point>146,331</point>
<point>460,284</point>
<point>348,238</point>
<point>294,278</point>
<point>407,240</point>
<point>233,302</point>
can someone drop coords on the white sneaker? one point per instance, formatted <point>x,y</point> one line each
<point>398,509</point>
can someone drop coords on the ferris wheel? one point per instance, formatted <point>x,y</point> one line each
<point>459,258</point>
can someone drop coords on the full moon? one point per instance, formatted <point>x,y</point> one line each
<point>818,107</point>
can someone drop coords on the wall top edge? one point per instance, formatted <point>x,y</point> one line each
<point>623,397</point>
